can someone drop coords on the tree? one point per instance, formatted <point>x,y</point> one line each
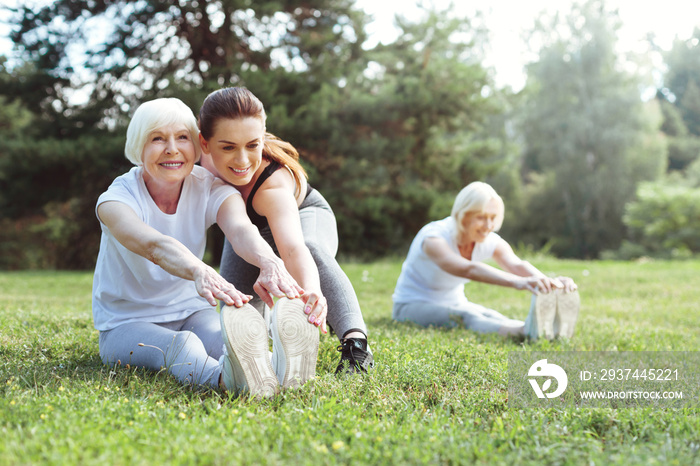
<point>680,97</point>
<point>388,135</point>
<point>15,119</point>
<point>587,134</point>
<point>392,146</point>
<point>681,80</point>
<point>132,51</point>
<point>128,52</point>
<point>664,220</point>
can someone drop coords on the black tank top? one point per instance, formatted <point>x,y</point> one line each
<point>259,220</point>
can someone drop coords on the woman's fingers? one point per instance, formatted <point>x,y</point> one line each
<point>542,285</point>
<point>206,294</point>
<point>233,297</point>
<point>568,284</point>
<point>316,308</point>
<point>212,287</point>
<point>226,293</point>
<point>264,294</point>
<point>538,285</point>
<point>289,287</point>
<point>276,281</point>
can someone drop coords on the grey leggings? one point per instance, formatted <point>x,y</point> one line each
<point>321,237</point>
<point>189,349</point>
<point>473,316</point>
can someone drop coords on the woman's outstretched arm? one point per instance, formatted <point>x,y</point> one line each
<point>439,251</point>
<point>274,279</point>
<point>168,253</point>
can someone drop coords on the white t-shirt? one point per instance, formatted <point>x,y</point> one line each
<point>423,280</point>
<point>129,288</point>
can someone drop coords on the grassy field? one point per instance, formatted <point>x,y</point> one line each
<point>436,396</point>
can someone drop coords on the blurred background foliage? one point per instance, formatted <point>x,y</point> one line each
<point>388,133</point>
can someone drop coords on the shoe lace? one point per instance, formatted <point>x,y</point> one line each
<point>355,355</point>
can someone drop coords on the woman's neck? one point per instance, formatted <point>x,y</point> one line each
<point>465,246</point>
<point>165,196</point>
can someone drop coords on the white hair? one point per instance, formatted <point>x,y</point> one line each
<point>154,114</point>
<point>473,198</point>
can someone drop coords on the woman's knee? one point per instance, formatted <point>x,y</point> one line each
<point>182,340</point>
<point>425,314</point>
<point>112,349</point>
<point>320,253</point>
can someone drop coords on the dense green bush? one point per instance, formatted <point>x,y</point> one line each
<point>664,221</point>
<point>47,200</point>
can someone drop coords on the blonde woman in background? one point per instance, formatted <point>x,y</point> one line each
<point>446,254</point>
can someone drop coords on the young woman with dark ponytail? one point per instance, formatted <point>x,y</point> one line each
<point>293,217</point>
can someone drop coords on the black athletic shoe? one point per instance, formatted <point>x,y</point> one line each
<point>355,356</point>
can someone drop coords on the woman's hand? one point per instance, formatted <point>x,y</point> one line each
<point>567,284</point>
<point>275,280</point>
<point>560,283</point>
<point>539,284</point>
<point>534,284</point>
<point>212,287</point>
<point>316,308</point>
<point>168,253</point>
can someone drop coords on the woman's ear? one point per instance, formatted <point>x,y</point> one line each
<point>203,144</point>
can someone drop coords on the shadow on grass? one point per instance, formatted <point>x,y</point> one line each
<point>88,372</point>
<point>386,333</point>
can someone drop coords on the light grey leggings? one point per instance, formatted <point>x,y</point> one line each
<point>473,316</point>
<point>189,349</point>
<point>321,237</point>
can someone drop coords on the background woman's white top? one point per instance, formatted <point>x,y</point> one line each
<point>422,279</point>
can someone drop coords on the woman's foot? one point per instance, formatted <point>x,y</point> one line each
<point>294,343</point>
<point>540,320</point>
<point>246,364</point>
<point>568,304</point>
<point>512,331</point>
<point>355,357</point>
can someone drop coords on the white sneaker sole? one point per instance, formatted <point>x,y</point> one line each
<point>294,343</point>
<point>545,312</point>
<point>245,335</point>
<point>568,305</point>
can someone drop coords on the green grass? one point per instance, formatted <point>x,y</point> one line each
<point>436,395</point>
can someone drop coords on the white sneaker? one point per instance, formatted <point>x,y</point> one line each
<point>294,343</point>
<point>568,305</point>
<point>540,320</point>
<point>246,364</point>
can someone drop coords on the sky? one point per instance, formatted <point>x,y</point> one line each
<point>507,20</point>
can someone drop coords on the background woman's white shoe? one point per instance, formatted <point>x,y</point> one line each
<point>540,320</point>
<point>568,305</point>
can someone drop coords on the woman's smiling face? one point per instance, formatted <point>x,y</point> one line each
<point>476,226</point>
<point>236,149</point>
<point>169,154</point>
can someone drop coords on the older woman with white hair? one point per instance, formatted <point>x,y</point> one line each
<point>153,297</point>
<point>446,254</point>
